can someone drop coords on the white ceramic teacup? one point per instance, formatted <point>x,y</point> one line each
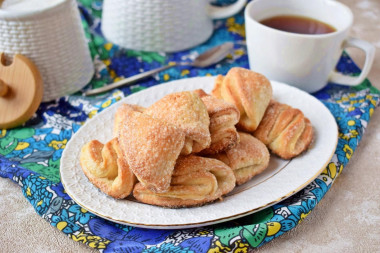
<point>306,61</point>
<point>161,25</point>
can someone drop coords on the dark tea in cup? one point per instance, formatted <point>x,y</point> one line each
<point>298,24</point>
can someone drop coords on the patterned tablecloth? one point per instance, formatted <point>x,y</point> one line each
<point>30,155</point>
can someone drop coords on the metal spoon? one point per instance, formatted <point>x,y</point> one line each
<point>210,57</point>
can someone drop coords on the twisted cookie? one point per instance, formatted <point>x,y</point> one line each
<point>249,91</point>
<point>249,158</point>
<point>186,111</point>
<point>150,146</point>
<point>106,168</point>
<point>196,181</point>
<point>223,118</point>
<point>285,130</point>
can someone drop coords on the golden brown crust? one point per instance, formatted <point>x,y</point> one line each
<point>249,158</point>
<point>186,111</point>
<point>120,116</point>
<point>223,118</point>
<point>151,148</point>
<point>285,130</point>
<point>196,181</point>
<point>249,91</point>
<point>106,168</point>
<point>218,87</point>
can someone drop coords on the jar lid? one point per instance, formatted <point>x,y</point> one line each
<point>21,90</point>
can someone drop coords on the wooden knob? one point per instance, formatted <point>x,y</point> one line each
<point>20,91</point>
<point>3,89</point>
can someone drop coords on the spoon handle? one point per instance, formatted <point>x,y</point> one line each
<point>127,81</point>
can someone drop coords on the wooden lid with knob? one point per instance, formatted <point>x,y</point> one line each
<point>21,90</point>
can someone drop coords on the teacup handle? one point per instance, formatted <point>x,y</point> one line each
<point>369,51</point>
<point>216,12</point>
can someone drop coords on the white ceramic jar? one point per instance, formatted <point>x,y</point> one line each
<point>161,25</point>
<point>50,33</point>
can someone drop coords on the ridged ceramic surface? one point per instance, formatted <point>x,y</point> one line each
<point>156,25</point>
<point>280,180</point>
<point>54,40</point>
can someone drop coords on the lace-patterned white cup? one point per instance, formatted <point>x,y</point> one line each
<point>50,33</point>
<point>161,25</point>
<point>306,61</point>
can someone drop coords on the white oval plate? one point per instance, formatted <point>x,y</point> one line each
<point>281,180</point>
